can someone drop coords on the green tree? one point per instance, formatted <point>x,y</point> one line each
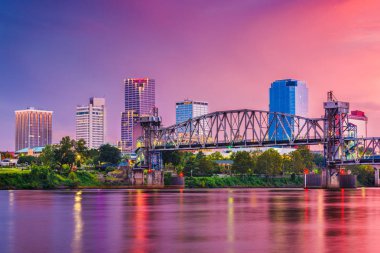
<point>206,166</point>
<point>81,152</point>
<point>27,159</point>
<point>186,156</point>
<point>198,165</point>
<point>269,162</point>
<point>319,160</point>
<point>173,157</point>
<point>47,157</point>
<point>65,152</point>
<point>216,156</point>
<point>297,164</point>
<point>92,157</point>
<point>286,163</point>
<point>307,157</point>
<point>190,166</point>
<point>109,154</point>
<point>365,174</point>
<point>243,162</point>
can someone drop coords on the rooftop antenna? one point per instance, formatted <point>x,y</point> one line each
<point>330,96</point>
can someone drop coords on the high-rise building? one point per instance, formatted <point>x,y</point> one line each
<point>188,109</point>
<point>91,122</point>
<point>33,128</point>
<point>139,101</point>
<point>358,120</point>
<point>288,96</point>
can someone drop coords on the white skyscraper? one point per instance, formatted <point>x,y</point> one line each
<point>91,122</point>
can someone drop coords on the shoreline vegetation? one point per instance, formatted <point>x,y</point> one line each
<point>71,165</point>
<point>43,178</point>
<point>39,178</point>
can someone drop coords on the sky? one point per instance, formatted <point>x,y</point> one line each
<point>54,55</point>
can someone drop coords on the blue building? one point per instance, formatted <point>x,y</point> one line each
<point>188,109</point>
<point>287,96</point>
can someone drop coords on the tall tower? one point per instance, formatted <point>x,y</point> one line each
<point>33,128</point>
<point>139,101</point>
<point>91,122</point>
<point>288,96</point>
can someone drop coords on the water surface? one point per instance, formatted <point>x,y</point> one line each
<point>252,220</point>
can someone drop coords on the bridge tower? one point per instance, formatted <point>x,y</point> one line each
<point>150,124</point>
<point>152,160</point>
<point>336,126</point>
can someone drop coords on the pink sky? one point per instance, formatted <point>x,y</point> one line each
<point>224,52</point>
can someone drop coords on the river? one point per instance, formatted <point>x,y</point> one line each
<point>224,220</point>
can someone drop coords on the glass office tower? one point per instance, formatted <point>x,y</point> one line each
<point>291,97</point>
<point>188,109</point>
<point>139,101</point>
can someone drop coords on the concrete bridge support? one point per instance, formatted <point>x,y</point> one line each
<point>330,178</point>
<point>377,174</point>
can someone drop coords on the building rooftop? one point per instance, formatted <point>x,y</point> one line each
<point>359,115</point>
<point>32,109</point>
<point>189,101</point>
<point>26,150</point>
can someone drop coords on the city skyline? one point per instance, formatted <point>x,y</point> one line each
<point>189,59</point>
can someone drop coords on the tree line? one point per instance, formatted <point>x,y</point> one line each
<point>269,162</point>
<point>70,153</point>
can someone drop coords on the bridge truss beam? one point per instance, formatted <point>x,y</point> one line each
<point>239,128</point>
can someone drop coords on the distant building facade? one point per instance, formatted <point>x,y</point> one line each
<point>91,122</point>
<point>36,151</point>
<point>33,128</point>
<point>358,121</point>
<point>188,109</point>
<point>139,94</point>
<point>291,97</point>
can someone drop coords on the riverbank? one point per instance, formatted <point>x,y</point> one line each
<point>247,181</point>
<point>43,178</point>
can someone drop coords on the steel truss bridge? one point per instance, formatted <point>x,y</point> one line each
<point>239,128</point>
<point>257,128</point>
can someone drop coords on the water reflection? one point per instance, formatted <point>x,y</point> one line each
<point>236,220</point>
<point>140,223</point>
<point>11,238</point>
<point>320,220</point>
<point>78,223</point>
<point>230,222</point>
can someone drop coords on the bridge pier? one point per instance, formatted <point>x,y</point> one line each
<point>332,178</point>
<point>377,174</point>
